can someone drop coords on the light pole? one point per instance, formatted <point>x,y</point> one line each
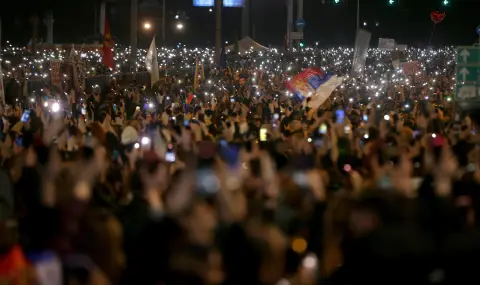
<point>164,20</point>
<point>133,32</point>
<point>289,22</point>
<point>358,15</point>
<point>218,30</point>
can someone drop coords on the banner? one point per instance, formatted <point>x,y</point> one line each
<point>55,73</point>
<point>314,83</point>
<point>78,70</point>
<point>361,49</point>
<point>386,44</point>
<point>410,68</point>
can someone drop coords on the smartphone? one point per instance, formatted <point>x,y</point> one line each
<point>170,156</point>
<point>229,153</point>
<point>19,141</point>
<point>84,112</point>
<point>186,123</point>
<point>323,129</point>
<point>25,116</point>
<point>145,141</point>
<point>276,116</point>
<point>263,134</point>
<point>347,129</point>
<point>365,117</point>
<point>300,178</point>
<point>340,114</point>
<point>206,181</point>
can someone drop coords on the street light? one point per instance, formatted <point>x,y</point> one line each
<point>179,26</point>
<point>147,26</point>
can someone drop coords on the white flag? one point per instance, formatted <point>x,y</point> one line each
<point>152,63</point>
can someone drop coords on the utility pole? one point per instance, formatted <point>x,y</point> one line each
<point>164,20</point>
<point>246,19</point>
<point>103,11</point>
<point>133,33</point>
<point>358,16</point>
<point>289,22</point>
<point>48,22</point>
<point>34,21</point>
<point>299,17</point>
<point>218,30</point>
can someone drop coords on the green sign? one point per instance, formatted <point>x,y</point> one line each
<point>468,73</point>
<point>468,55</point>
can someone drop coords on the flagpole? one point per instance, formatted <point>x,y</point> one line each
<point>2,90</point>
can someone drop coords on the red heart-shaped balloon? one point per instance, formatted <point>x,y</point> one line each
<point>437,16</point>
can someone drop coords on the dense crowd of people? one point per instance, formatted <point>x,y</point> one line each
<point>225,177</point>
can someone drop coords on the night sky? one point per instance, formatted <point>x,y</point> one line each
<point>329,25</point>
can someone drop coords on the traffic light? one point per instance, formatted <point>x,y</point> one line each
<point>446,2</point>
<point>392,2</point>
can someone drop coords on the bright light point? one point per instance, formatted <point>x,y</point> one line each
<point>136,145</point>
<point>210,10</point>
<point>309,140</point>
<point>179,26</point>
<point>145,140</point>
<point>176,17</point>
<point>45,104</point>
<point>310,261</point>
<point>365,23</point>
<point>434,135</point>
<point>32,99</point>
<point>366,136</point>
<point>147,26</point>
<point>55,107</point>
<point>386,117</point>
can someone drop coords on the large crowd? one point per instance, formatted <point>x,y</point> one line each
<point>224,177</point>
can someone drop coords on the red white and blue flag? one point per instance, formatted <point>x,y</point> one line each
<point>315,83</point>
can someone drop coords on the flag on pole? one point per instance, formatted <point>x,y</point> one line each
<point>313,83</point>
<point>107,46</point>
<point>152,63</point>
<point>362,42</point>
<point>195,79</point>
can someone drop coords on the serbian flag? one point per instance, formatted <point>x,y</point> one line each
<point>189,98</point>
<point>314,83</point>
<point>107,46</point>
